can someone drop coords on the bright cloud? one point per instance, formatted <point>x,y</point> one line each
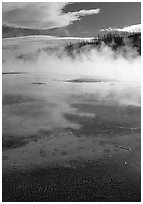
<point>132,28</point>
<point>41,15</point>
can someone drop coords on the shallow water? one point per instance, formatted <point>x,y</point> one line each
<point>39,110</point>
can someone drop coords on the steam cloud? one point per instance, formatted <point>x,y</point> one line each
<point>90,62</point>
<point>119,76</point>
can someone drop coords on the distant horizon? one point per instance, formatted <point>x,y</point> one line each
<point>129,29</point>
<point>52,37</point>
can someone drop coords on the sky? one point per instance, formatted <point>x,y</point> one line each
<point>82,19</point>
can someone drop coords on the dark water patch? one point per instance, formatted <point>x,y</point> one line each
<point>86,80</point>
<point>109,120</point>
<point>10,99</point>
<point>7,73</point>
<point>10,141</point>
<point>123,116</point>
<point>13,142</point>
<point>103,180</point>
<point>39,83</point>
<point>91,128</point>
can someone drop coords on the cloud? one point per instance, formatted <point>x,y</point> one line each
<point>85,12</point>
<point>41,15</point>
<point>132,28</point>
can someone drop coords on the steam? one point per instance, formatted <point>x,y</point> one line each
<point>91,62</point>
<point>119,85</point>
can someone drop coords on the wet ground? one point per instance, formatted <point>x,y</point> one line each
<point>101,180</point>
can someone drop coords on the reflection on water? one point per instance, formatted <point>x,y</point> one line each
<point>54,120</point>
<point>33,102</point>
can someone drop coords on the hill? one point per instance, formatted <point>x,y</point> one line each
<point>8,31</point>
<point>116,41</point>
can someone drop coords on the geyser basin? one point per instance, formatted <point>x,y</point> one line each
<point>59,124</point>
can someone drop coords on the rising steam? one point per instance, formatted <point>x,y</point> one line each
<point>47,91</point>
